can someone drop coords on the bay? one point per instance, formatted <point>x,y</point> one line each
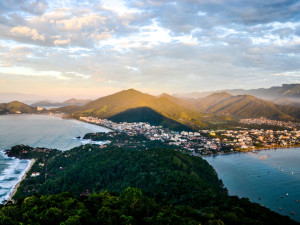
<point>272,181</point>
<point>36,131</point>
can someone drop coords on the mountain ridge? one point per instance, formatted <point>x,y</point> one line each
<point>108,106</point>
<point>285,90</point>
<point>244,106</point>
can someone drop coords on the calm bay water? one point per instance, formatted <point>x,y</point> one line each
<point>273,182</point>
<point>36,131</point>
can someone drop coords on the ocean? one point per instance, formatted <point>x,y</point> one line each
<point>36,131</point>
<point>272,181</point>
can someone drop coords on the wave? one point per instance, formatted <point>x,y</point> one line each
<point>92,127</point>
<point>86,141</point>
<point>9,177</point>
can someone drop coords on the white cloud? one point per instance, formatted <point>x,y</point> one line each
<point>132,68</point>
<point>62,42</point>
<point>27,32</point>
<point>77,23</point>
<point>24,71</point>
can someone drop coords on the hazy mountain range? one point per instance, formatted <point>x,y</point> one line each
<point>69,102</point>
<point>286,91</point>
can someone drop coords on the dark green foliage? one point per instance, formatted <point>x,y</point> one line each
<point>27,152</point>
<point>166,175</point>
<point>131,207</point>
<point>168,188</point>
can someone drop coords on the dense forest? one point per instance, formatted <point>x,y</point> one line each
<point>167,187</point>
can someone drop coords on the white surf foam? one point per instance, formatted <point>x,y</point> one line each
<point>10,176</point>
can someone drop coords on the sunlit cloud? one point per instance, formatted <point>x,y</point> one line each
<point>182,45</point>
<point>27,32</point>
<point>25,71</point>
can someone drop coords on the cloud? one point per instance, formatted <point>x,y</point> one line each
<point>181,44</point>
<point>33,7</point>
<point>79,23</point>
<point>61,42</point>
<point>27,32</point>
<point>2,82</point>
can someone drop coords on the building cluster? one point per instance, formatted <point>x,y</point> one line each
<point>257,139</point>
<point>193,142</point>
<point>206,142</point>
<point>264,121</point>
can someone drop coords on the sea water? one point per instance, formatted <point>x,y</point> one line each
<point>272,181</point>
<point>36,131</point>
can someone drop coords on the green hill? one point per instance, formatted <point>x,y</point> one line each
<point>177,188</point>
<point>16,107</point>
<point>112,105</point>
<point>245,106</point>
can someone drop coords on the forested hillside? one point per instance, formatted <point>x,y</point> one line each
<point>175,189</point>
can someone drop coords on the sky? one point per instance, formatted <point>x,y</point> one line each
<point>88,49</point>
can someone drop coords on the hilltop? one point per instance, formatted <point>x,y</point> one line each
<point>244,106</point>
<point>16,107</point>
<point>126,105</point>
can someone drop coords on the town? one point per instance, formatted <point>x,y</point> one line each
<point>207,142</point>
<point>265,121</point>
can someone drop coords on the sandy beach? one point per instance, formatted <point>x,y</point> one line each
<point>32,161</point>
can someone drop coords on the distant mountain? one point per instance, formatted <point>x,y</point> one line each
<point>284,91</point>
<point>16,107</point>
<point>188,103</point>
<point>121,102</point>
<point>6,97</point>
<point>287,101</point>
<point>73,101</point>
<point>45,103</point>
<point>244,106</point>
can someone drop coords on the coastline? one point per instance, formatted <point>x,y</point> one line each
<point>273,148</point>
<point>11,194</point>
<point>247,151</point>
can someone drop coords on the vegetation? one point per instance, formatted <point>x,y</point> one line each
<point>245,106</point>
<point>27,152</point>
<point>173,188</point>
<point>130,207</point>
<point>16,107</point>
<point>166,175</point>
<point>130,104</point>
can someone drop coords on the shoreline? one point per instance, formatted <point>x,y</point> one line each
<point>15,189</point>
<point>252,150</point>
